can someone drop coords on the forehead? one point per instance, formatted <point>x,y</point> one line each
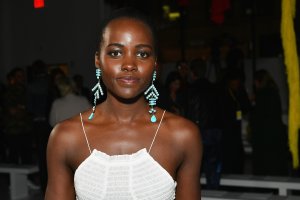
<point>127,28</point>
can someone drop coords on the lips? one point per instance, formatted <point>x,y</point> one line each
<point>128,80</point>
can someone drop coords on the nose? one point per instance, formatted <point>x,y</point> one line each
<point>129,67</point>
<point>129,64</point>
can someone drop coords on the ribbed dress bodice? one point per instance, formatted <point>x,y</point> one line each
<point>134,176</point>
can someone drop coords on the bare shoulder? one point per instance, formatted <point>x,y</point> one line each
<point>181,127</point>
<point>65,135</point>
<point>183,132</point>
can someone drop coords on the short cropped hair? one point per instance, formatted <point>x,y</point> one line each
<point>133,13</point>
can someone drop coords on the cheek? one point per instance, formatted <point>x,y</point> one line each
<point>108,75</point>
<point>147,75</point>
<point>107,62</point>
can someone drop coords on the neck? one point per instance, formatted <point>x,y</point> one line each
<point>125,111</point>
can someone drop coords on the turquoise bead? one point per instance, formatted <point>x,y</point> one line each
<point>153,119</point>
<point>91,116</point>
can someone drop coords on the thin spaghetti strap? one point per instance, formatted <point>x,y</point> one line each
<point>85,134</point>
<point>156,131</point>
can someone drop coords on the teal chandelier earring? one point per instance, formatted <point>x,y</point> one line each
<point>97,89</point>
<point>151,95</point>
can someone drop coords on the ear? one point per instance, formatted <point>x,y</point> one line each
<point>156,65</point>
<point>97,60</point>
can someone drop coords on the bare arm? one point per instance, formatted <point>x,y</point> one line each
<point>60,175</point>
<point>188,174</point>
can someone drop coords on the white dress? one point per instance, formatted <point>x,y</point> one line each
<point>134,176</point>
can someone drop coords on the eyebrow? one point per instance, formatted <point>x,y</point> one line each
<point>115,44</point>
<point>137,46</point>
<point>144,45</point>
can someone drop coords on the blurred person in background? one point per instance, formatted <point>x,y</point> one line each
<point>38,106</point>
<point>204,108</point>
<point>183,69</point>
<point>54,93</point>
<point>80,88</point>
<point>69,104</point>
<point>173,99</point>
<point>267,132</point>
<point>236,105</point>
<point>17,121</point>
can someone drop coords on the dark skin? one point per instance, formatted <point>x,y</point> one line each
<point>122,122</point>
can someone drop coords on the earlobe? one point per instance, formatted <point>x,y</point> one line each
<point>97,61</point>
<point>155,65</point>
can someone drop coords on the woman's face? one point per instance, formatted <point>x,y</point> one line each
<point>126,57</point>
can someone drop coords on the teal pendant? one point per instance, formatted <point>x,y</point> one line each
<point>153,119</point>
<point>91,116</point>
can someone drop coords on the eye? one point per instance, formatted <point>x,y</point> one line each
<point>143,54</point>
<point>114,53</point>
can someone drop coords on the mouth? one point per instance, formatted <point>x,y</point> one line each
<point>128,80</point>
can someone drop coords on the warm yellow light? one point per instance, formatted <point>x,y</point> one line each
<point>174,15</point>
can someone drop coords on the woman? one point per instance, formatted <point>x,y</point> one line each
<point>117,152</point>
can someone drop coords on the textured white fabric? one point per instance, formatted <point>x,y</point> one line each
<point>134,176</point>
<point>123,177</point>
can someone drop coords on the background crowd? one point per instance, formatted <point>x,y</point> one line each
<point>33,100</point>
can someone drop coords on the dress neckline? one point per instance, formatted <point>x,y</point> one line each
<point>120,157</point>
<point>124,158</point>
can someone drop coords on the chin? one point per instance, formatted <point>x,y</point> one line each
<point>129,99</point>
